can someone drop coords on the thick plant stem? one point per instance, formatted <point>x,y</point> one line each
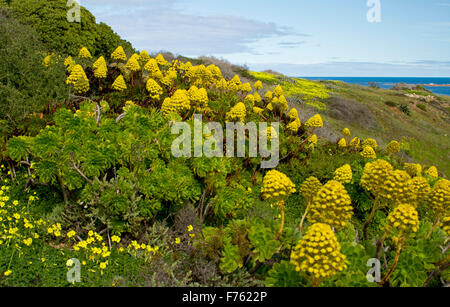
<point>282,221</point>
<point>432,228</point>
<point>397,257</point>
<point>372,214</point>
<point>300,227</point>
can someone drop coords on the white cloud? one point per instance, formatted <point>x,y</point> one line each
<point>156,25</point>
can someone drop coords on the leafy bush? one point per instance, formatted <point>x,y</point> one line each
<point>405,109</point>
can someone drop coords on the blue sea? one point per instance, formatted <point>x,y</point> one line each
<point>389,82</point>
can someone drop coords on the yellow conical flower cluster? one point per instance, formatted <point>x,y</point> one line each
<point>374,175</point>
<point>169,78</point>
<point>79,80</point>
<point>84,53</point>
<point>198,98</point>
<point>215,72</point>
<point>439,197</point>
<point>268,96</point>
<point>314,122</point>
<point>154,89</point>
<point>342,143</point>
<point>413,169</point>
<point>293,126</point>
<point>271,133</point>
<point>331,205</point>
<point>257,97</point>
<point>433,172</point>
<point>69,63</point>
<point>346,132</point>
<point>276,185</point>
<point>343,174</point>
<point>119,54</point>
<point>310,187</point>
<point>160,60</point>
<point>396,187</point>
<point>445,224</point>
<point>100,68</point>
<point>133,64</point>
<point>278,91</point>
<point>249,99</point>
<point>403,219</point>
<point>393,147</point>
<point>311,141</point>
<point>246,88</point>
<point>283,103</point>
<point>258,85</point>
<point>178,103</point>
<point>420,187</point>
<point>46,61</point>
<point>368,152</point>
<point>355,143</point>
<point>144,57</point>
<point>318,253</point>
<point>153,69</point>
<point>238,112</point>
<point>370,142</point>
<point>119,84</point>
<point>258,111</point>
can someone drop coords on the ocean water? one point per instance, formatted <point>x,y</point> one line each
<point>389,82</point>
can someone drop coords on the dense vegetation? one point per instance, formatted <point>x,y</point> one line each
<point>88,173</point>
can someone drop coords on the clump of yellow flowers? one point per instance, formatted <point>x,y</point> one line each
<point>370,142</point>
<point>413,169</point>
<point>84,53</point>
<point>276,185</point>
<point>439,197</point>
<point>198,98</point>
<point>346,132</point>
<point>375,174</point>
<point>433,172</point>
<point>355,143</point>
<point>154,89</point>
<point>402,220</point>
<point>396,187</point>
<point>445,224</point>
<point>310,187</point>
<point>343,174</point>
<point>342,143</point>
<point>368,152</point>
<point>420,188</point>
<point>393,147</point>
<point>314,122</point>
<point>119,84</point>
<point>318,254</point>
<point>238,112</point>
<point>331,205</point>
<point>119,54</point>
<point>100,68</point>
<point>79,79</point>
<point>133,64</point>
<point>178,103</point>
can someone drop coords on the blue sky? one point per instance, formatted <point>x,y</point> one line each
<point>295,37</point>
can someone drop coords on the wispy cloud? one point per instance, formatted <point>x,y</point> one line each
<point>156,25</point>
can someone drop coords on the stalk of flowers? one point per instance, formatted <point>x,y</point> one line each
<point>331,205</point>
<point>119,54</point>
<point>238,112</point>
<point>318,254</point>
<point>374,175</point>
<point>393,147</point>
<point>78,79</point>
<point>402,222</point>
<point>277,187</point>
<point>309,189</point>
<point>178,103</point>
<point>439,201</point>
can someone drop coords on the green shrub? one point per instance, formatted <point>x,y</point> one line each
<point>422,107</point>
